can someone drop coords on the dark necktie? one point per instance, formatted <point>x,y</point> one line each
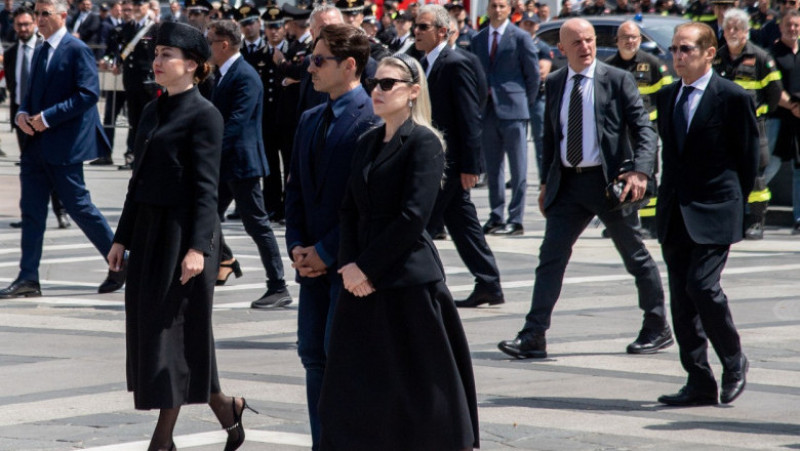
<point>575,123</point>
<point>217,76</point>
<point>252,49</point>
<point>680,118</point>
<point>424,64</point>
<point>493,52</point>
<point>24,72</point>
<point>321,135</point>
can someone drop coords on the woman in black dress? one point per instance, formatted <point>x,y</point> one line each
<point>399,374</point>
<point>170,227</point>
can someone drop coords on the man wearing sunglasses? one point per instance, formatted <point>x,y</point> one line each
<point>318,177</point>
<point>710,160</point>
<point>59,114</point>
<point>456,113</point>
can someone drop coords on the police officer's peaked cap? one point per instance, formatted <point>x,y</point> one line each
<point>273,15</point>
<point>350,6</point>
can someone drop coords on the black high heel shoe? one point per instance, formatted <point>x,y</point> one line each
<point>226,269</point>
<point>236,430</point>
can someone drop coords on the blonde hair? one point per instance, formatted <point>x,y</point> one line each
<point>421,108</point>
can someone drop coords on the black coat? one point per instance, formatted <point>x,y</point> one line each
<point>398,374</point>
<point>171,207</point>
<point>455,100</point>
<point>710,180</point>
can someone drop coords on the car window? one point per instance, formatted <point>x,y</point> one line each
<point>550,37</point>
<point>606,36</point>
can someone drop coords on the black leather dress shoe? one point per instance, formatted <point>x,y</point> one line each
<point>733,382</point>
<point>689,396</point>
<point>491,226</point>
<point>527,345</point>
<point>21,288</point>
<point>510,229</point>
<point>479,297</point>
<point>234,215</point>
<point>103,161</point>
<point>115,280</point>
<point>651,341</point>
<point>63,221</point>
<point>15,225</point>
<point>441,236</point>
<point>273,299</point>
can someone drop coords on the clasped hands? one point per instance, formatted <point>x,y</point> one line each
<point>30,124</point>
<point>308,263</point>
<point>355,281</point>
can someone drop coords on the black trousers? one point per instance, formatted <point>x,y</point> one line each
<point>699,306</point>
<point>581,197</point>
<point>279,157</point>
<point>115,100</point>
<point>250,203</point>
<point>454,208</point>
<point>137,97</point>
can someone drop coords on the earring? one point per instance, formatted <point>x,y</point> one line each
<point>411,104</point>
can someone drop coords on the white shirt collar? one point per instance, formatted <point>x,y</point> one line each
<point>701,83</point>
<point>500,30</point>
<point>433,54</point>
<point>56,37</point>
<point>256,43</point>
<point>227,64</point>
<point>588,72</point>
<point>306,35</point>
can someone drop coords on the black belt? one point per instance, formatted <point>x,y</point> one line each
<point>581,170</point>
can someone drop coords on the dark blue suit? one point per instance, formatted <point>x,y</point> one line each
<point>239,97</point>
<point>313,198</point>
<point>513,79</point>
<point>67,95</point>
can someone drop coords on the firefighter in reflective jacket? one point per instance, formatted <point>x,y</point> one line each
<point>752,68</point>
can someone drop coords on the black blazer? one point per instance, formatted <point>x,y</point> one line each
<point>711,179</point>
<point>619,114</point>
<point>455,101</point>
<point>239,97</point>
<point>90,29</point>
<point>10,64</point>
<point>389,200</point>
<point>177,156</point>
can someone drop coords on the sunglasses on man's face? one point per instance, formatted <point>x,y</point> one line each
<point>423,26</point>
<point>386,84</point>
<point>319,60</point>
<point>44,14</point>
<point>685,49</point>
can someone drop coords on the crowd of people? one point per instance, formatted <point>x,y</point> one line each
<point>364,135</point>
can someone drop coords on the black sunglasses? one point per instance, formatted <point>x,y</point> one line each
<point>319,60</point>
<point>386,84</point>
<point>42,13</point>
<point>423,26</point>
<point>685,49</point>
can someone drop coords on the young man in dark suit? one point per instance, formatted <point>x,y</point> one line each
<point>59,114</point>
<point>321,157</point>
<point>710,154</point>
<point>239,96</point>
<point>454,97</point>
<point>582,153</point>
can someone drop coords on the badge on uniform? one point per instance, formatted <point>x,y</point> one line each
<point>749,61</point>
<point>642,67</point>
<point>663,69</point>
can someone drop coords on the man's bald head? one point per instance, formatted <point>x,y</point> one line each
<point>577,43</point>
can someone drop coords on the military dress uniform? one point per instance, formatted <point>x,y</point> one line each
<point>651,76</point>
<point>137,72</point>
<point>755,71</point>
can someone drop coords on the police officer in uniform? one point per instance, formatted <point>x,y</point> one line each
<point>131,46</point>
<point>465,32</point>
<point>377,49</point>
<point>752,68</point>
<point>651,76</point>
<point>197,13</point>
<point>720,7</point>
<point>700,11</point>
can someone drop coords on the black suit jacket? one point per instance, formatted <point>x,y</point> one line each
<point>10,64</point>
<point>455,101</point>
<point>619,113</point>
<point>177,155</point>
<point>710,180</point>
<point>480,75</point>
<point>389,200</point>
<point>89,30</point>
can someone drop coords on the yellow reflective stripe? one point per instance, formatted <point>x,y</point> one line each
<point>763,109</point>
<point>756,85</point>
<point>653,115</point>
<point>651,89</point>
<point>649,210</point>
<point>763,195</point>
<point>705,18</point>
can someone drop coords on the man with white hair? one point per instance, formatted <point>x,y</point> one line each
<point>752,68</point>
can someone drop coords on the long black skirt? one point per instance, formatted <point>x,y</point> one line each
<point>170,344</point>
<point>399,374</point>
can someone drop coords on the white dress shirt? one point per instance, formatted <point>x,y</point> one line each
<point>591,148</point>
<point>22,47</point>
<point>227,65</point>
<point>432,55</point>
<point>695,96</point>
<point>500,30</point>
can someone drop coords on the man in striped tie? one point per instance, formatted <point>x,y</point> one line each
<point>582,153</point>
